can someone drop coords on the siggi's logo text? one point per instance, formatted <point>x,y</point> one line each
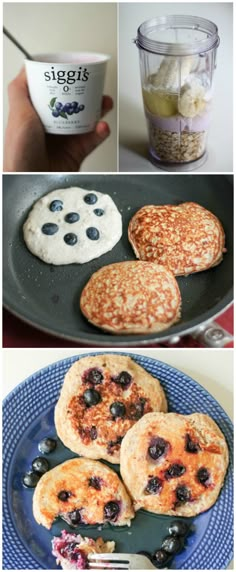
<point>68,77</point>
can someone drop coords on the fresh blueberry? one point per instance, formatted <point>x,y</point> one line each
<point>157,448</point>
<point>98,212</point>
<point>124,378</point>
<point>171,544</point>
<point>72,217</point>
<point>174,471</point>
<point>40,465</point>
<point>90,199</point>
<point>55,113</point>
<point>81,107</point>
<point>178,528</point>
<point>47,445</point>
<point>111,510</point>
<point>49,228</point>
<point>93,433</point>
<point>70,238</point>
<point>58,105</point>
<point>64,495</point>
<point>183,494</point>
<point>160,557</point>
<point>93,233</point>
<point>91,397</point>
<point>56,205</point>
<point>30,479</point>
<point>190,445</point>
<point>117,409</point>
<point>93,375</point>
<point>203,476</point>
<point>95,482</point>
<point>154,486</point>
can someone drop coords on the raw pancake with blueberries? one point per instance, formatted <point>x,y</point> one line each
<point>101,398</point>
<point>174,464</point>
<point>81,491</point>
<point>72,226</point>
<point>132,298</point>
<point>186,238</point>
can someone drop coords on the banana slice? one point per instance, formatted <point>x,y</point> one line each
<point>160,103</point>
<point>172,73</point>
<point>191,101</point>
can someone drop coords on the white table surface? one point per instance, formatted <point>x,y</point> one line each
<point>213,369</point>
<point>133,137</point>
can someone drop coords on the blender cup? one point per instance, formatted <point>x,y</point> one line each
<point>177,61</point>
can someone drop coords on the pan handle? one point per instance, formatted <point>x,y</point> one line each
<point>212,335</point>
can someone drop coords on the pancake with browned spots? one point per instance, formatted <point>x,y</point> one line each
<point>101,398</point>
<point>174,464</point>
<point>186,238</point>
<point>81,491</point>
<point>132,298</point>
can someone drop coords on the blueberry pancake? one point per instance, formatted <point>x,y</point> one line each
<point>132,298</point>
<point>174,464</point>
<point>101,398</point>
<point>72,225</point>
<point>186,238</point>
<point>81,491</point>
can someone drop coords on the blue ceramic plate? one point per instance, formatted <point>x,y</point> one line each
<point>28,417</point>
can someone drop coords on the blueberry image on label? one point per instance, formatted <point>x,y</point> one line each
<point>59,109</point>
<point>62,227</point>
<point>58,105</point>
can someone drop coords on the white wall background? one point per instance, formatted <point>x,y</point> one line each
<point>133,132</point>
<point>53,27</point>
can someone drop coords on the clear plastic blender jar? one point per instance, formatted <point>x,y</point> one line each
<point>177,63</point>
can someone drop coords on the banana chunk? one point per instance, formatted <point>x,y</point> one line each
<point>191,101</point>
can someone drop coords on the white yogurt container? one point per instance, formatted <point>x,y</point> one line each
<point>66,90</point>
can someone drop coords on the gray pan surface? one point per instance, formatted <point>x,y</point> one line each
<point>48,296</point>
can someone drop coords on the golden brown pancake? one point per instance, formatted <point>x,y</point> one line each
<point>101,398</point>
<point>186,238</point>
<point>81,491</point>
<point>132,298</point>
<point>174,464</point>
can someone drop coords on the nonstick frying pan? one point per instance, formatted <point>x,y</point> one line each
<point>48,296</point>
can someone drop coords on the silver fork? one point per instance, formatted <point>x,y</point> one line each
<point>118,561</point>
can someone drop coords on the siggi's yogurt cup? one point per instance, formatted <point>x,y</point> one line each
<point>66,90</point>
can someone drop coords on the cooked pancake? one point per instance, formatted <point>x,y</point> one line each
<point>186,238</point>
<point>81,491</point>
<point>101,398</point>
<point>72,225</point>
<point>174,464</point>
<point>132,298</point>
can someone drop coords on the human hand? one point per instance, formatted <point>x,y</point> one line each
<point>28,148</point>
